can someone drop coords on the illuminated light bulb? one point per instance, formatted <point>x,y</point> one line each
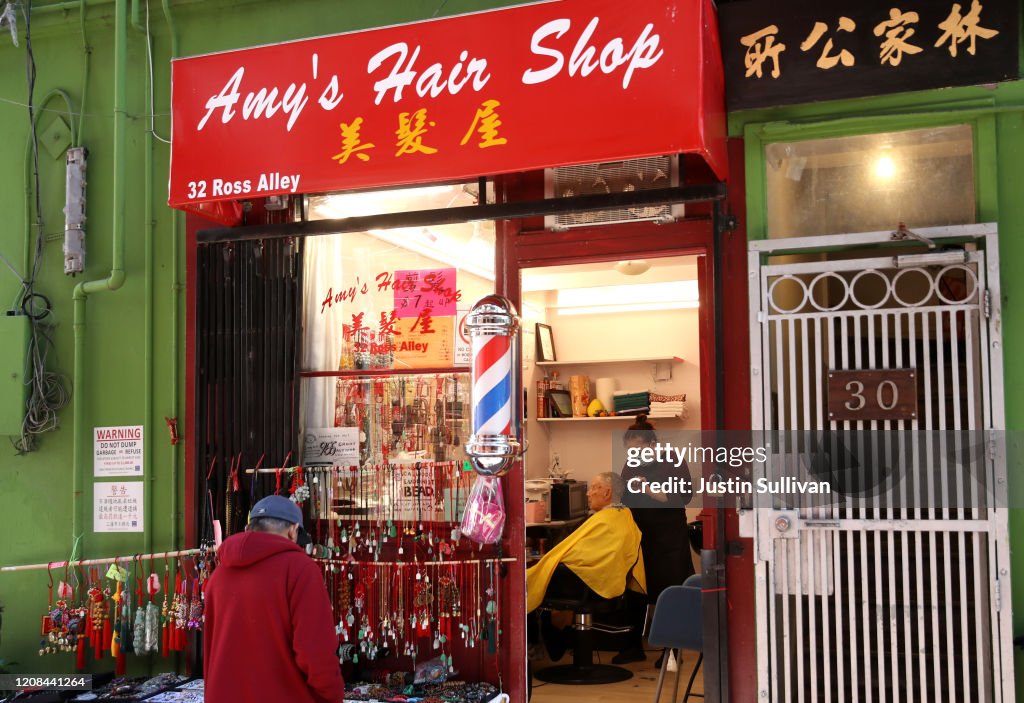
<point>885,167</point>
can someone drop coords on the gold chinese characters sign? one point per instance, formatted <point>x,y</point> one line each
<point>790,51</point>
<point>884,394</point>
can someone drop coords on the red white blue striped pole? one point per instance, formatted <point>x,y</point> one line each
<point>493,326</point>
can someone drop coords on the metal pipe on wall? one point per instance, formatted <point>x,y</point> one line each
<point>116,278</point>
<point>176,289</point>
<point>136,14</point>
<point>149,477</point>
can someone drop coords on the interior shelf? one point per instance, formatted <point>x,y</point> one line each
<point>609,417</point>
<point>650,360</point>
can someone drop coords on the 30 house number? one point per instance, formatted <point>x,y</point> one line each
<point>872,394</point>
<point>858,401</point>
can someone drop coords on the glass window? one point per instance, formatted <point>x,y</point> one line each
<point>391,300</point>
<point>922,177</point>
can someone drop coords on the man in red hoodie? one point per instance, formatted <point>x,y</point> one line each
<point>269,631</point>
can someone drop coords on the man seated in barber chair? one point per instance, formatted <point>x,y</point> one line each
<point>599,561</point>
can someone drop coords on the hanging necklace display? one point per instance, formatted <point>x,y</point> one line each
<point>139,631</point>
<point>151,639</point>
<point>165,614</point>
<point>46,625</point>
<point>118,617</point>
<point>59,633</point>
<point>78,624</point>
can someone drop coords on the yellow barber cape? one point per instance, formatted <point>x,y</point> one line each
<point>604,552</point>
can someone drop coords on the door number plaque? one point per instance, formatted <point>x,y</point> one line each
<point>883,394</point>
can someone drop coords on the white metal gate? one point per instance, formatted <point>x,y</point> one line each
<point>891,595</point>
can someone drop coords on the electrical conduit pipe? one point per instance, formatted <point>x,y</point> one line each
<point>175,317</point>
<point>117,275</point>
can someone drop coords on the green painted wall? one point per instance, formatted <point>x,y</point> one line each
<point>122,385</point>
<point>997,114</point>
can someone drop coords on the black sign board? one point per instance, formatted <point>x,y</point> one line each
<point>778,52</point>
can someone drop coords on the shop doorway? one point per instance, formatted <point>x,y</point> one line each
<point>878,366</point>
<point>561,266</point>
<point>611,332</point>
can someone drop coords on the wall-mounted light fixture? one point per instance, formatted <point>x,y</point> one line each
<point>632,267</point>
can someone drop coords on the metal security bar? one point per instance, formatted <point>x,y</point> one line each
<point>247,339</point>
<point>892,594</point>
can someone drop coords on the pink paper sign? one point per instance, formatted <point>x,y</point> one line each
<point>425,291</point>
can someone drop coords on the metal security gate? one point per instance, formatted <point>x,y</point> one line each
<point>895,587</point>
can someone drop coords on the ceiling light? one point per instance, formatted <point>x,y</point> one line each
<point>632,267</point>
<point>885,168</point>
<point>402,238</point>
<point>638,307</point>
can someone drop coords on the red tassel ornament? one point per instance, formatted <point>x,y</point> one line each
<point>108,635</point>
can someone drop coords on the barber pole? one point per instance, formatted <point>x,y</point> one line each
<point>496,442</point>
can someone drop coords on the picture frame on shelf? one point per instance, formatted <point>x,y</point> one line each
<point>559,403</point>
<point>545,343</point>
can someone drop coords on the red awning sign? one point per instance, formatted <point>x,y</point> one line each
<point>555,83</point>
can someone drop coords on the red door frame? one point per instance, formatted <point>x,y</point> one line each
<point>517,250</point>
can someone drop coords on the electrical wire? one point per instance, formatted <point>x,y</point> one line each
<point>48,392</point>
<point>149,61</point>
<point>108,115</point>
<point>440,7</point>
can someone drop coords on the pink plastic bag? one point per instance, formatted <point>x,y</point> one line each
<point>484,518</point>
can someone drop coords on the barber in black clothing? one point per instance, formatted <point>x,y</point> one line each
<point>661,518</point>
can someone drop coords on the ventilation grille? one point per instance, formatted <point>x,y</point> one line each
<point>612,177</point>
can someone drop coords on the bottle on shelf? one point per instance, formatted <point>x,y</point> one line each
<point>554,384</point>
<point>542,396</point>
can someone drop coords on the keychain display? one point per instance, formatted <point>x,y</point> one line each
<point>117,614</point>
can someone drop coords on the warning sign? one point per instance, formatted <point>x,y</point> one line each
<point>117,451</point>
<point>117,507</point>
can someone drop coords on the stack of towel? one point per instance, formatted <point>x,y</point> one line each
<point>632,402</point>
<point>668,405</point>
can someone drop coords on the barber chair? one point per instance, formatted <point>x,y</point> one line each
<point>585,604</point>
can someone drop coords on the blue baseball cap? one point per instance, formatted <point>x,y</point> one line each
<point>277,507</point>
